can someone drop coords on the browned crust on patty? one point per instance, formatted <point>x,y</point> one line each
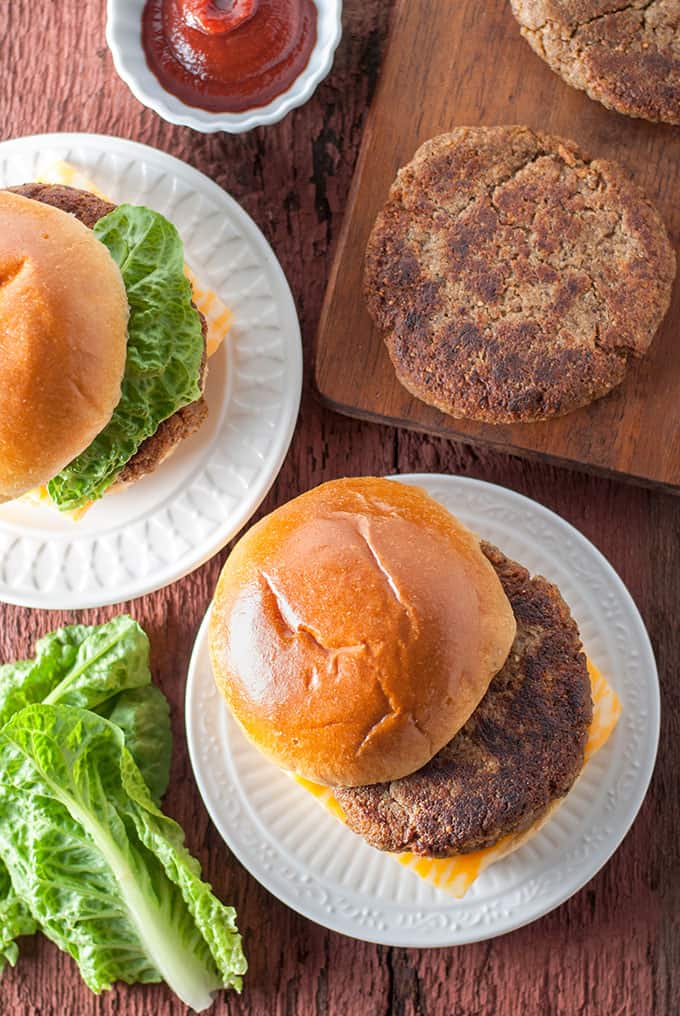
<point>520,751</point>
<point>176,428</point>
<point>624,54</point>
<point>515,277</point>
<point>89,208</point>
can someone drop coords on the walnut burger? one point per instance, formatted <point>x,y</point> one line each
<point>102,351</point>
<point>366,640</point>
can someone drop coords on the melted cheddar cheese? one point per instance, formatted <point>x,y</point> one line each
<point>455,875</point>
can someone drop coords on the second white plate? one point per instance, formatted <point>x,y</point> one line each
<point>169,523</point>
<point>320,868</point>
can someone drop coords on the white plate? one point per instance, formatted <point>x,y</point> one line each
<point>318,867</point>
<point>169,523</point>
<point>123,35</point>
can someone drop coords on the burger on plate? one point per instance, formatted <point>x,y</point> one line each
<point>102,349</point>
<point>434,691</point>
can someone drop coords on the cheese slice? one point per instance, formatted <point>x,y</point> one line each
<point>218,317</point>
<point>40,496</point>
<point>455,875</point>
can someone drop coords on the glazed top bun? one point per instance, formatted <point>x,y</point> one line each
<point>63,341</point>
<point>355,629</point>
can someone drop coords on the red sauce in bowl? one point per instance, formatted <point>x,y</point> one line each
<point>228,55</point>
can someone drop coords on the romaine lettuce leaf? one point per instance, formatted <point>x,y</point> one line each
<point>102,870</point>
<point>104,666</point>
<point>164,353</point>
<point>144,717</point>
<point>79,666</point>
<point>15,920</point>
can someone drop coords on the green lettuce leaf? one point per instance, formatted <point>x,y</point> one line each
<point>102,870</point>
<point>143,715</point>
<point>164,353</point>
<point>15,920</point>
<point>104,666</point>
<point>78,666</point>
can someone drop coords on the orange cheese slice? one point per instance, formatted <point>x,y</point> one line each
<point>455,875</point>
<point>217,315</point>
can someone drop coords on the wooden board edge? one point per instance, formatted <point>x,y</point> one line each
<point>574,465</point>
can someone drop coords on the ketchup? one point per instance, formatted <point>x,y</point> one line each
<point>228,55</point>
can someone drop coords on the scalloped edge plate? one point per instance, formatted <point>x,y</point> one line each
<point>321,869</point>
<point>167,524</point>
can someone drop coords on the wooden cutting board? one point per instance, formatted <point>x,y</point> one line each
<point>465,62</point>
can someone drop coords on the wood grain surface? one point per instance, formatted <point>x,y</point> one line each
<point>614,948</point>
<point>466,63</point>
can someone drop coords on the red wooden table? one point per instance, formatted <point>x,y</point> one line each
<point>612,949</point>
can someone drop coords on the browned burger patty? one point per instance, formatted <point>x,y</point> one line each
<point>89,208</point>
<point>521,750</point>
<point>513,276</point>
<point>170,432</point>
<point>624,53</point>
<point>86,207</point>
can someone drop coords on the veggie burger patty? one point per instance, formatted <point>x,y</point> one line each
<point>520,751</point>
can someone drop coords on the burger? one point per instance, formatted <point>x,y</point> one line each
<point>368,643</point>
<point>103,351</point>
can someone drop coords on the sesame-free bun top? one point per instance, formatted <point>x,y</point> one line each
<point>63,341</point>
<point>355,629</point>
